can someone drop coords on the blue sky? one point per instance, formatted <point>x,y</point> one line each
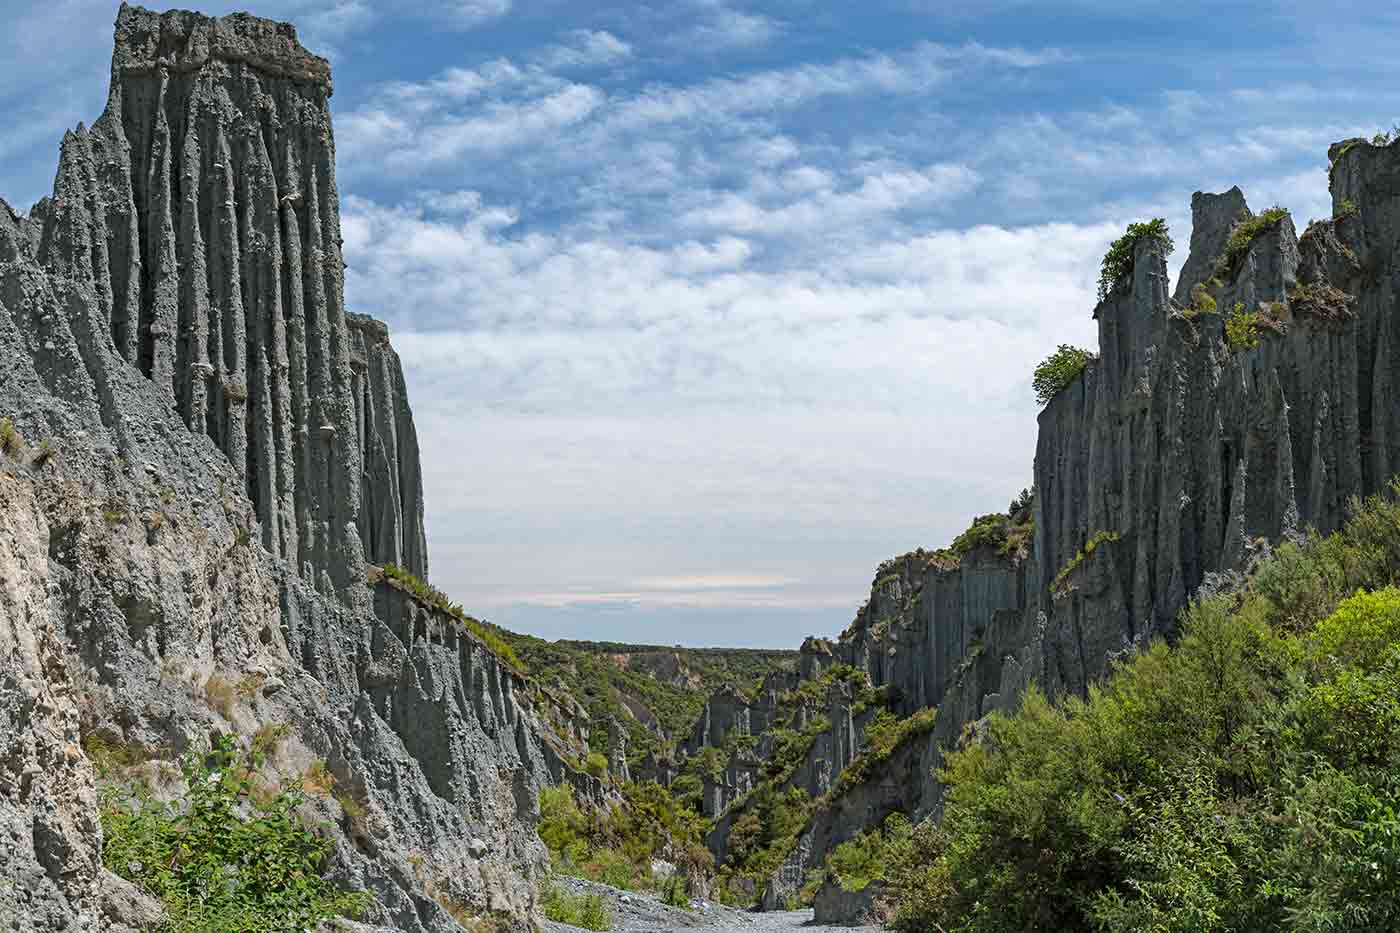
<point>708,306</point>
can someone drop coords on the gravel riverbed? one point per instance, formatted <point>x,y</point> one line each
<point>642,913</point>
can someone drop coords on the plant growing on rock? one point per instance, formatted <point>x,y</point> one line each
<point>1057,371</point>
<point>1242,329</point>
<point>1059,589</point>
<point>221,860</point>
<point>587,911</point>
<point>10,440</point>
<point>1118,261</point>
<point>432,596</point>
<point>1244,233</point>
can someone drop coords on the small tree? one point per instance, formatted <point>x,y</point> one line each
<point>1058,370</point>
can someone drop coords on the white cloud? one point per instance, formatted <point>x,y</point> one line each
<point>821,209</point>
<point>584,48</point>
<point>721,26</point>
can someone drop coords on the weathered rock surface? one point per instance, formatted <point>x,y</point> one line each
<point>1183,451</point>
<point>211,449</point>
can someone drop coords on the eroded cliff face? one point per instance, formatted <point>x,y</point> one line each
<point>208,451</point>
<point>1179,454</point>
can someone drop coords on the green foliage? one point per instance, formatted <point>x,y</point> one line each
<point>10,440</point>
<point>1242,329</point>
<point>225,859</point>
<point>616,845</point>
<point>884,735</point>
<point>1202,302</point>
<point>588,911</point>
<point>1245,778</point>
<point>1244,233</point>
<point>1118,261</point>
<point>1347,208</point>
<point>858,862</point>
<point>760,839</point>
<point>1057,371</point>
<point>1059,588</point>
<point>596,764</point>
<point>1022,503</point>
<point>492,636</point>
<point>1008,535</point>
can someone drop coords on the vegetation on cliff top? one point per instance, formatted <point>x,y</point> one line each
<point>432,596</point>
<point>1057,371</point>
<point>1246,778</point>
<point>1118,261</point>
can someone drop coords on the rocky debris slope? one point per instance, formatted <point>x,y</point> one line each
<point>206,450</point>
<point>1248,405</point>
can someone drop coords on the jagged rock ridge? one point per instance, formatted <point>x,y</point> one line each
<point>208,450</point>
<point>202,209</point>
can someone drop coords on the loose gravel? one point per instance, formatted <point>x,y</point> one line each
<point>642,913</point>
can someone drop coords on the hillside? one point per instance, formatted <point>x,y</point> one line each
<point>655,693</point>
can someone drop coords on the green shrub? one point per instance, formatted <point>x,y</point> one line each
<point>1242,329</point>
<point>588,911</point>
<point>1361,630</point>
<point>10,440</point>
<point>884,735</point>
<point>1347,208</point>
<point>1202,302</point>
<point>866,858</point>
<point>1057,371</point>
<point>1244,233</point>
<point>1118,261</point>
<point>596,764</point>
<point>222,860</point>
<point>616,845</point>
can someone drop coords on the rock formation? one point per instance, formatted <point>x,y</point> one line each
<point>207,451</point>
<point>1178,452</point>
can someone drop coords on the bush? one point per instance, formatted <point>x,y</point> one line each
<point>1244,233</point>
<point>222,860</point>
<point>10,440</point>
<point>1057,371</point>
<point>588,911</point>
<point>596,764</point>
<point>1202,302</point>
<point>1118,261</point>
<point>858,862</point>
<point>1242,329</point>
<point>616,845</point>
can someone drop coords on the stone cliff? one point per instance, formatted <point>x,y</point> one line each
<point>1178,453</point>
<point>202,453</point>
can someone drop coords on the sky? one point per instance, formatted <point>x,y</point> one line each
<point>709,306</point>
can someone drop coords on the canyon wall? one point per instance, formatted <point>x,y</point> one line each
<point>208,452</point>
<point>1178,453</point>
